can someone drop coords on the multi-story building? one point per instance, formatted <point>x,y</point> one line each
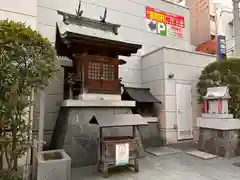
<point>207,20</point>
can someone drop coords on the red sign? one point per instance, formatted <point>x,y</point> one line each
<point>164,17</point>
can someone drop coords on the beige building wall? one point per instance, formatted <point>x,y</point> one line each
<point>186,67</point>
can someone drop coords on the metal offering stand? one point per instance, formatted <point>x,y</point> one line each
<point>116,151</point>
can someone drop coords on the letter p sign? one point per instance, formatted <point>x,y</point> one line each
<point>161,29</point>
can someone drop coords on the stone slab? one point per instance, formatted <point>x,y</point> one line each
<point>236,164</point>
<point>200,154</point>
<point>160,151</point>
<point>220,124</point>
<point>218,116</point>
<point>179,166</point>
<point>99,96</point>
<point>151,119</point>
<point>97,103</point>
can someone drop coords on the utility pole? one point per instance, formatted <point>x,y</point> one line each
<point>236,25</point>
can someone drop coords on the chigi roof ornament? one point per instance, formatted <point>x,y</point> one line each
<point>103,19</point>
<point>79,20</point>
<point>79,12</point>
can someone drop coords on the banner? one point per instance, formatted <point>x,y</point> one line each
<point>221,51</point>
<point>122,154</point>
<point>164,23</point>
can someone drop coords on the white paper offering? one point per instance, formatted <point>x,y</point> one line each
<point>122,154</point>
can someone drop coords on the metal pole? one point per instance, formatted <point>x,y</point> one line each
<point>236,25</point>
<point>41,121</point>
<point>216,34</point>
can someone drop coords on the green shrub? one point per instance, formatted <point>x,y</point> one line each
<point>224,73</point>
<point>27,63</point>
<point>9,175</point>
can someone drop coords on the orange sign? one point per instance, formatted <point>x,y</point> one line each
<point>164,17</point>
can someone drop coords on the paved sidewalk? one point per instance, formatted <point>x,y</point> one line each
<point>178,166</point>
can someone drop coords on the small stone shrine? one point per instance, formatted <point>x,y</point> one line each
<point>219,131</point>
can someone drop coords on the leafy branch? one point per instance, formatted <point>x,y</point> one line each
<point>27,63</point>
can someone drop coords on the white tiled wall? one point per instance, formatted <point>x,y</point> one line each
<point>186,67</point>
<point>22,10</point>
<point>156,87</point>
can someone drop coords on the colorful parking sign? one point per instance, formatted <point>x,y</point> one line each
<point>164,23</point>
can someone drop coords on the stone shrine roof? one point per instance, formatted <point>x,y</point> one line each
<point>217,92</point>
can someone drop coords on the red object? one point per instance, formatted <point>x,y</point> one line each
<point>205,106</point>
<point>219,105</point>
<point>165,17</point>
<point>209,47</point>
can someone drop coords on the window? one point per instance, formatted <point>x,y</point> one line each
<point>108,72</point>
<point>97,70</point>
<point>94,71</point>
<point>212,18</point>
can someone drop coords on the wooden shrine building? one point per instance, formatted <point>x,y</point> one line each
<point>94,47</point>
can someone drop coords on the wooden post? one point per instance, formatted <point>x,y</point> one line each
<point>205,106</point>
<point>219,105</point>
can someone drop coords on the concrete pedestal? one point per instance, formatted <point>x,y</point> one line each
<point>219,136</point>
<point>78,138</point>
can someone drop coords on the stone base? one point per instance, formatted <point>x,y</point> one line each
<point>99,96</point>
<point>151,135</point>
<point>223,143</point>
<point>218,123</point>
<point>78,138</point>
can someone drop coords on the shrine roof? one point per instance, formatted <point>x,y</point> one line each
<point>83,28</point>
<point>142,95</point>
<point>217,92</point>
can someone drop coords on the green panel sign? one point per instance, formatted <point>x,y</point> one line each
<point>161,29</point>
